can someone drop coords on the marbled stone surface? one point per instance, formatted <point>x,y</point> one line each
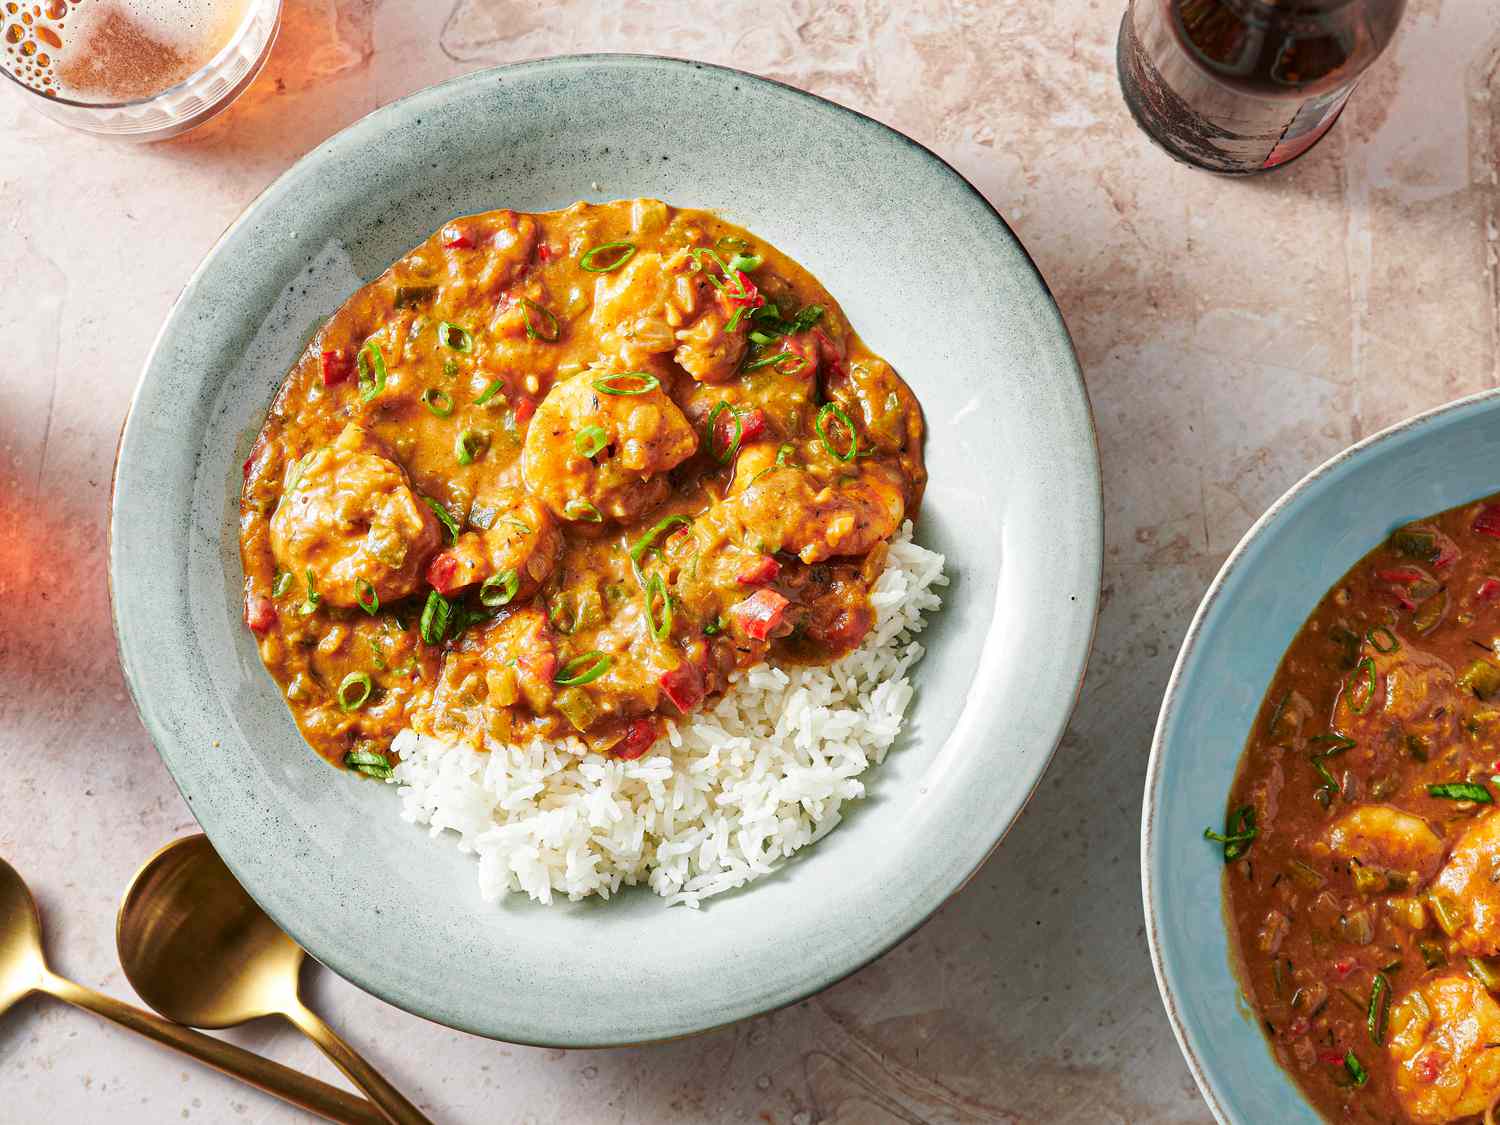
<point>1233,334</point>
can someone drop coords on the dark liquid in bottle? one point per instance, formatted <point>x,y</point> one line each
<point>1240,86</point>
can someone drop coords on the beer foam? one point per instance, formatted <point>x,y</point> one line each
<point>122,50</point>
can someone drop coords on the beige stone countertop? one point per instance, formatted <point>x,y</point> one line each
<point>1233,335</point>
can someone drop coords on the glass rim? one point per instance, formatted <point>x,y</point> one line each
<point>252,9</point>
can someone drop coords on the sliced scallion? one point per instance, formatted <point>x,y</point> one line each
<point>583,669</point>
<point>607,256</point>
<point>1380,1000</point>
<point>310,605</point>
<point>1382,640</point>
<point>1362,686</point>
<point>1461,791</point>
<point>582,511</point>
<point>1239,832</point>
<point>621,383</point>
<point>541,324</point>
<point>836,412</point>
<point>372,373</point>
<point>590,440</point>
<point>443,517</point>
<point>723,452</point>
<point>499,589</point>
<point>354,691</point>
<point>469,445</point>
<point>490,391</point>
<point>660,621</point>
<point>365,595</point>
<point>438,402</point>
<point>368,763</point>
<point>282,584</point>
<point>455,336</point>
<point>436,615</point>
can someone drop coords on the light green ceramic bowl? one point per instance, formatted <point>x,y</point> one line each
<point>931,277</point>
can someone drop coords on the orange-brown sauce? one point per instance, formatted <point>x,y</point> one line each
<point>1366,909</point>
<point>520,485</point>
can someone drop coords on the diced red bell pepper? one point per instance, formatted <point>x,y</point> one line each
<point>1446,556</point>
<point>336,367</point>
<point>246,466</point>
<point>1489,590</point>
<point>1344,966</point>
<point>752,424</point>
<point>1487,522</point>
<point>748,297</point>
<point>525,408</point>
<point>442,573</point>
<point>456,238</point>
<point>760,614</point>
<point>683,685</point>
<point>1400,576</point>
<point>830,352</point>
<point>1331,1058</point>
<point>544,253</point>
<point>639,737</point>
<point>762,570</point>
<point>260,614</point>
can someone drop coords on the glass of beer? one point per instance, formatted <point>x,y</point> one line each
<point>137,69</point>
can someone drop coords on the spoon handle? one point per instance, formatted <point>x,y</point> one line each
<point>282,1081</point>
<point>389,1100</point>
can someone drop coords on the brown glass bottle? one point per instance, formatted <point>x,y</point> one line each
<point>1242,86</point>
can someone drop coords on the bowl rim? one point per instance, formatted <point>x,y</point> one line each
<point>1092,547</point>
<point>1189,1041</point>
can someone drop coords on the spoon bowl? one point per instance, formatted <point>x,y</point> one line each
<point>201,952</point>
<point>197,948</point>
<point>21,962</point>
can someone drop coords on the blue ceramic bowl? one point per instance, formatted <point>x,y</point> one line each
<point>1272,581</point>
<point>931,277</point>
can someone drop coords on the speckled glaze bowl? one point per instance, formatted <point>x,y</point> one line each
<point>931,277</point>
<point>1270,583</point>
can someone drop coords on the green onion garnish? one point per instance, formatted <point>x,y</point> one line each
<point>713,627</point>
<point>540,323</point>
<point>498,589</point>
<point>365,595</point>
<point>1336,744</point>
<point>747,263</point>
<point>442,514</point>
<point>1382,640</point>
<point>282,584</point>
<point>1364,677</point>
<point>758,337</point>
<point>725,455</point>
<point>313,597</point>
<point>583,669</point>
<point>490,391</point>
<point>656,591</point>
<point>1461,791</point>
<point>1239,832</point>
<point>436,615</point>
<point>1380,1000</point>
<point>455,336</point>
<point>590,440</point>
<point>469,445</point>
<point>368,763</point>
<point>372,374</point>
<point>647,542</point>
<point>798,361</point>
<point>438,402</point>
<point>354,691</point>
<point>1356,1071</point>
<point>727,281</point>
<point>582,510</point>
<point>613,384</point>
<point>590,262</point>
<point>833,410</point>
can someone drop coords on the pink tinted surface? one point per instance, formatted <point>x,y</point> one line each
<point>1233,334</point>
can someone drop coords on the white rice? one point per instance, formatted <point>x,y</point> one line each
<point>726,795</point>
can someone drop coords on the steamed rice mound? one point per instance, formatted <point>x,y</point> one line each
<point>726,795</point>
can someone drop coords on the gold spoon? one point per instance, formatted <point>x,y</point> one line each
<point>199,950</point>
<point>23,970</point>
